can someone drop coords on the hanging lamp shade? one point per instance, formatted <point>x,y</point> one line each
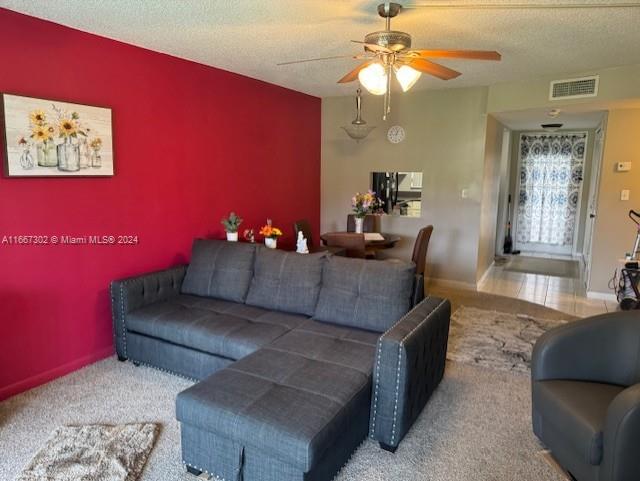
<point>358,129</point>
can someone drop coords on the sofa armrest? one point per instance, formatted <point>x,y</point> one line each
<point>409,365</point>
<point>600,349</point>
<point>620,461</point>
<point>136,292</point>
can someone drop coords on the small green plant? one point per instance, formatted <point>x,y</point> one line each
<point>231,223</point>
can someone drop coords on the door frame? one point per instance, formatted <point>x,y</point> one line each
<point>545,248</point>
<point>594,191</point>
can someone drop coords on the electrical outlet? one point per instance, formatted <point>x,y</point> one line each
<point>625,194</point>
<point>623,166</point>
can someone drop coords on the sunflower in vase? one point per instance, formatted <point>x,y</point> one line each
<point>270,234</point>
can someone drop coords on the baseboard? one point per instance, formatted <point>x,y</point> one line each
<point>450,284</point>
<point>602,296</point>
<point>51,374</point>
<point>486,273</point>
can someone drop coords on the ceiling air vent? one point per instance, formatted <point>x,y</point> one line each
<point>577,88</point>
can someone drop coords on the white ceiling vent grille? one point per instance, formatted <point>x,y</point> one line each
<point>577,88</point>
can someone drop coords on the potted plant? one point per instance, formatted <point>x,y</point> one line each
<point>231,225</point>
<point>363,204</point>
<point>270,235</point>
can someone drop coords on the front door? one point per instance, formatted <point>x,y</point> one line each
<point>549,190</point>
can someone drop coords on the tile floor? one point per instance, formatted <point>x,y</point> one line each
<point>560,293</point>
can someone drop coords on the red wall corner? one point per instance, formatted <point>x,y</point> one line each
<point>191,143</point>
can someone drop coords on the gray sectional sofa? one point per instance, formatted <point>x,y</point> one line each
<point>298,357</point>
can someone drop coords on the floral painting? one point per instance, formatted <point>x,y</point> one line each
<point>48,138</point>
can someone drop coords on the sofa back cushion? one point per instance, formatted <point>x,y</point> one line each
<point>286,281</point>
<point>365,294</point>
<point>220,269</point>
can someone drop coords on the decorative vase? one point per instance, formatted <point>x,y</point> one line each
<point>359,225</point>
<point>270,242</point>
<point>26,159</point>
<point>46,155</point>
<point>68,156</point>
<point>232,236</point>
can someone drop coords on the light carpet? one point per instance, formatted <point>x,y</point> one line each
<point>95,452</point>
<point>477,425</point>
<point>497,340</point>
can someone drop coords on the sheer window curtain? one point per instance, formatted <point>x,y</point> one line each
<point>551,170</point>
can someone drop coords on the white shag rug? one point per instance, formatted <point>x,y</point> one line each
<point>93,453</point>
<point>497,340</point>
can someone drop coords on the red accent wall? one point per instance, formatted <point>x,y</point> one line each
<point>191,143</point>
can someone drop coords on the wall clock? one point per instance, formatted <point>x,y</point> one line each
<point>396,134</point>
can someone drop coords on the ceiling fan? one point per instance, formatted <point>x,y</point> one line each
<point>388,52</point>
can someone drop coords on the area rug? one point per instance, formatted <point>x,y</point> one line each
<point>547,267</point>
<point>93,453</point>
<point>493,339</point>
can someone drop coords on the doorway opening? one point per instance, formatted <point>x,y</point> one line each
<point>549,191</point>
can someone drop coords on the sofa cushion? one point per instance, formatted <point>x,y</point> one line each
<point>577,411</point>
<point>220,269</point>
<point>286,281</point>
<point>363,293</point>
<point>229,330</point>
<point>286,404</point>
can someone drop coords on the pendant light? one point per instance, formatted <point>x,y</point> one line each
<point>358,129</point>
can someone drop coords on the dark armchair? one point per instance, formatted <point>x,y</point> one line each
<point>586,396</point>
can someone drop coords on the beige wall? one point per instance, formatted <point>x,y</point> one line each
<point>490,195</point>
<point>614,233</point>
<point>615,84</point>
<point>445,139</point>
<point>447,132</point>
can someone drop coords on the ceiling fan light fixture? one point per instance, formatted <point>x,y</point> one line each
<point>374,79</point>
<point>407,76</point>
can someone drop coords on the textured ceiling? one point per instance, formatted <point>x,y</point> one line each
<point>250,36</point>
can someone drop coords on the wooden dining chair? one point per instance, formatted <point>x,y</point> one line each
<point>353,243</point>
<point>304,227</point>
<point>371,223</point>
<point>419,257</point>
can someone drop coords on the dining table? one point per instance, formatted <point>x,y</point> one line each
<point>372,240</point>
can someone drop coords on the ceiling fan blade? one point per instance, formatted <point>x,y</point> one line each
<point>521,5</point>
<point>434,69</point>
<point>374,47</point>
<point>322,58</point>
<point>351,76</point>
<point>466,54</point>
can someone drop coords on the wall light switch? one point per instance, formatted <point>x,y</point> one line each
<point>623,166</point>
<point>464,193</point>
<point>624,195</point>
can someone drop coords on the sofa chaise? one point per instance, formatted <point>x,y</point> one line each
<point>297,358</point>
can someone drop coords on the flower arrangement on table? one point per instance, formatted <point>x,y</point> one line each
<point>270,234</point>
<point>363,204</point>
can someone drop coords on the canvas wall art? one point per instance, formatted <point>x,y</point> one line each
<point>49,138</point>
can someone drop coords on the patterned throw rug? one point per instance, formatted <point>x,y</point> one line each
<point>93,453</point>
<point>494,339</point>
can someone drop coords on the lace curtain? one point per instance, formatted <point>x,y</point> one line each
<point>551,169</point>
